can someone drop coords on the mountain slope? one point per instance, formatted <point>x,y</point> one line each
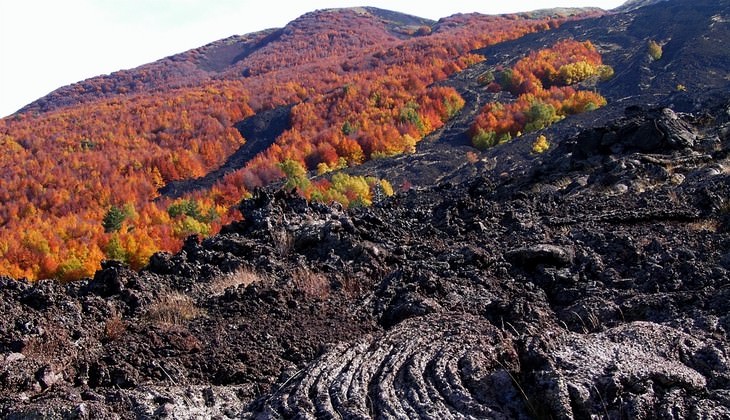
<point>359,83</point>
<point>694,57</point>
<point>588,279</point>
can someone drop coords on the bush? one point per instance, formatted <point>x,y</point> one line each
<point>295,173</point>
<point>605,72</point>
<point>573,73</point>
<point>114,249</point>
<point>507,80</point>
<point>655,50</point>
<point>539,116</point>
<point>485,78</point>
<point>484,139</point>
<point>541,144</point>
<point>190,226</point>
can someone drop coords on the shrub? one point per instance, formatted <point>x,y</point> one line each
<point>190,226</point>
<point>573,73</point>
<point>185,207</point>
<point>453,105</point>
<point>655,50</point>
<point>114,328</point>
<point>605,72</point>
<point>485,78</point>
<point>114,249</point>
<point>484,139</point>
<point>71,269</point>
<point>507,80</point>
<point>409,114</point>
<point>539,116</point>
<point>295,173</point>
<point>541,144</point>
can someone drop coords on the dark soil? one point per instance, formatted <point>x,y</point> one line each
<point>590,281</point>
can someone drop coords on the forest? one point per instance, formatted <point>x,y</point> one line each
<point>545,84</point>
<point>81,176</point>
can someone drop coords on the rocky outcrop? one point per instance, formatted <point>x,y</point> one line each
<point>431,367</point>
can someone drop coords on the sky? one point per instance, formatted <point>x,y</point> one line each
<point>46,44</point>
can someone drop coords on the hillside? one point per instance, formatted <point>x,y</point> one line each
<point>107,162</point>
<point>694,58</point>
<point>522,216</point>
<point>592,281</point>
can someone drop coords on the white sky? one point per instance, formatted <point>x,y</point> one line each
<point>46,44</point>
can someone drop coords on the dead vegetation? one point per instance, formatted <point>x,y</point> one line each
<point>115,328</point>
<point>312,284</point>
<point>244,276</point>
<point>173,308</point>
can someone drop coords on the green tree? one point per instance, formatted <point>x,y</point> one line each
<point>539,116</point>
<point>185,207</point>
<point>113,219</point>
<point>114,250</point>
<point>190,226</point>
<point>296,175</point>
<point>409,113</point>
<point>70,269</point>
<point>484,139</point>
<point>507,80</point>
<point>348,128</point>
<point>453,105</point>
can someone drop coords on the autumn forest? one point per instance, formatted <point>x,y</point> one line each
<point>82,169</point>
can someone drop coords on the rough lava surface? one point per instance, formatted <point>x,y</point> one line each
<point>591,280</point>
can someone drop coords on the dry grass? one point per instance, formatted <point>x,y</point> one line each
<point>705,225</point>
<point>674,197</point>
<point>563,182</point>
<point>725,206</point>
<point>50,346</point>
<point>725,167</point>
<point>114,328</point>
<point>352,287</point>
<point>241,277</point>
<point>312,284</point>
<point>173,308</point>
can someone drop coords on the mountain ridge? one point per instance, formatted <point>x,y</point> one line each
<point>197,69</point>
<point>218,57</point>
